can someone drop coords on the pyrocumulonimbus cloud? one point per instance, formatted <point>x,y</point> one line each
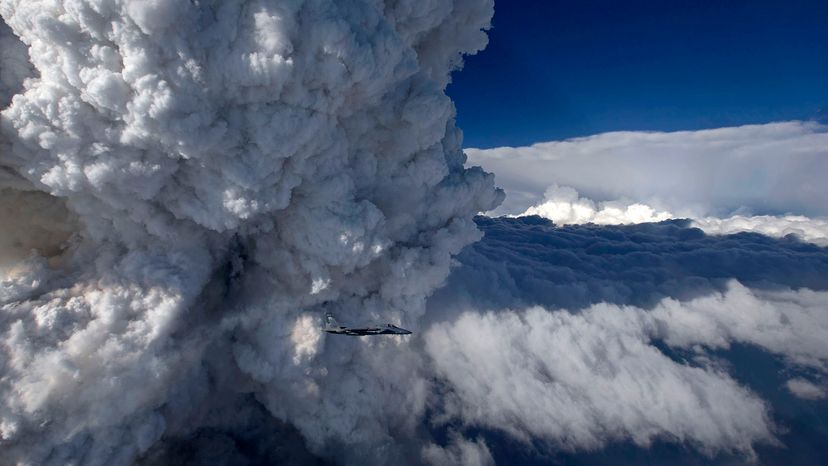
<point>187,185</point>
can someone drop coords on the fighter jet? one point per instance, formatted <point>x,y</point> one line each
<point>332,326</point>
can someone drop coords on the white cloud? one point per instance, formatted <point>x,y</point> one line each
<point>460,451</point>
<point>582,380</point>
<point>716,177</point>
<point>804,389</point>
<point>792,324</point>
<point>564,206</point>
<point>773,169</point>
<point>806,229</point>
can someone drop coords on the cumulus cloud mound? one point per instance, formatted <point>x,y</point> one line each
<point>813,230</point>
<point>200,180</point>
<point>564,206</point>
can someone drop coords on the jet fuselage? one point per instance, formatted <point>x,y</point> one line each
<point>331,326</point>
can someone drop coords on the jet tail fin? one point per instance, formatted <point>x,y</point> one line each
<point>330,322</point>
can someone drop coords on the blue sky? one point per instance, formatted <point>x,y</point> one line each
<point>555,70</point>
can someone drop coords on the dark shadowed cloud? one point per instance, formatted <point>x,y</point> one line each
<point>529,261</point>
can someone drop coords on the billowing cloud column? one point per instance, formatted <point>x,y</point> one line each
<point>220,173</point>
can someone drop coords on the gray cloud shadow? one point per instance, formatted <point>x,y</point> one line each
<point>530,261</point>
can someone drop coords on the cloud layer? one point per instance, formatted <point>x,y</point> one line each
<point>576,338</point>
<point>580,381</point>
<point>564,206</point>
<point>529,261</point>
<point>767,169</point>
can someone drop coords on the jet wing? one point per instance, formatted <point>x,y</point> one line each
<point>363,331</point>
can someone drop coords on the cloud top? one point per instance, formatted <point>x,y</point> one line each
<point>766,169</point>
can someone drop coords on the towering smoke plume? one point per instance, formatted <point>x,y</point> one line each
<point>186,186</point>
